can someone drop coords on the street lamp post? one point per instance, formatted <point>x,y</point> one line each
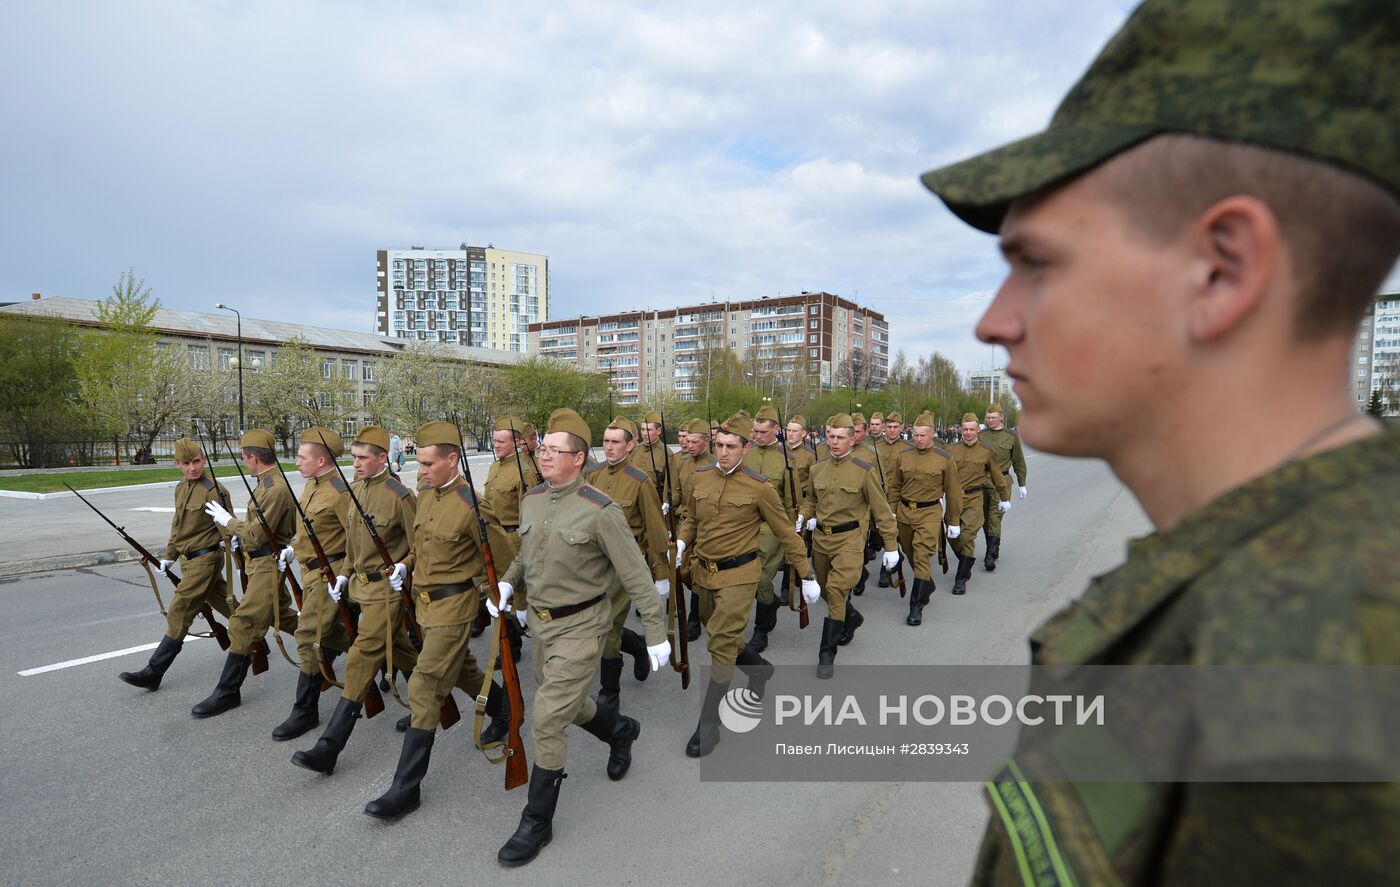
<point>239,365</point>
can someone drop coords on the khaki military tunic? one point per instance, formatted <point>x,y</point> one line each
<point>195,542</point>
<point>684,476</point>
<point>725,514</point>
<point>324,500</point>
<point>976,465</point>
<point>575,543</point>
<point>919,479</point>
<point>449,578</point>
<point>1007,446</point>
<point>768,461</point>
<point>651,459</point>
<point>393,508</point>
<point>267,601</point>
<point>634,493</point>
<point>844,494</point>
<point>500,504</point>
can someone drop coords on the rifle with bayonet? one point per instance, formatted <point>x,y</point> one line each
<point>678,624</point>
<point>259,653</point>
<point>517,769</point>
<point>898,570</point>
<point>449,714</point>
<point>216,629</point>
<point>795,599</point>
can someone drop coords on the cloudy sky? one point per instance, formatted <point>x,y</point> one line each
<point>258,153</point>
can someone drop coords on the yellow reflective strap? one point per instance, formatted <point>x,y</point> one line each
<point>1037,855</point>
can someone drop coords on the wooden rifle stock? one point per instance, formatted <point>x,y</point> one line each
<point>682,634</point>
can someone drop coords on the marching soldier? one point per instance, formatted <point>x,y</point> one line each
<point>976,465</point>
<point>651,453</point>
<point>323,500</point>
<point>382,640</point>
<point>802,455</point>
<point>866,447</point>
<point>724,510</point>
<point>266,599</point>
<point>923,474</point>
<point>876,429</point>
<point>513,472</point>
<point>765,456</point>
<point>634,493</point>
<point>695,454</point>
<point>841,494</point>
<point>194,545</point>
<point>575,542</point>
<point>1006,443</point>
<point>888,445</point>
<point>823,450</point>
<point>449,573</point>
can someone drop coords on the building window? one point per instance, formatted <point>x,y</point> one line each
<point>199,357</point>
<point>812,339</point>
<point>816,324</point>
<point>328,368</point>
<point>811,352</point>
<point>369,371</point>
<point>225,356</point>
<point>351,368</point>
<point>812,310</point>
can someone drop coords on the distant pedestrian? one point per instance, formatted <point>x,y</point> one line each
<point>396,454</point>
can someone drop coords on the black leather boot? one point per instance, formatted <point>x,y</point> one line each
<point>403,723</point>
<point>517,640</point>
<point>853,621</point>
<point>305,708</point>
<point>993,552</point>
<point>610,682</point>
<point>918,599</point>
<point>884,578</point>
<point>498,708</point>
<point>706,735</point>
<point>756,668</point>
<point>536,827</point>
<point>149,677</point>
<point>826,654</point>
<point>965,565</point>
<point>634,645</point>
<point>402,796</point>
<point>780,589</point>
<point>765,619</point>
<point>322,756</point>
<point>225,695</point>
<point>864,577</point>
<point>692,619</point>
<point>619,732</point>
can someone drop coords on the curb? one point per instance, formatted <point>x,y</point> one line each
<point>67,562</point>
<point>95,491</point>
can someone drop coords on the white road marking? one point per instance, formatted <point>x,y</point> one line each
<point>159,509</point>
<point>30,672</point>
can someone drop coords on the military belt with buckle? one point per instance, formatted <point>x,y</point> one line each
<point>200,552</point>
<point>511,528</point>
<point>835,529</point>
<point>443,592</point>
<point>265,551</point>
<point>549,614</point>
<point>313,563</point>
<point>972,489</point>
<point>917,505</point>
<point>727,563</point>
<point>368,577</point>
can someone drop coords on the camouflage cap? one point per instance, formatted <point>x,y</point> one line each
<point>186,450</point>
<point>652,418</point>
<point>326,438</point>
<point>739,424</point>
<point>924,420</point>
<point>625,424</point>
<point>1286,76</point>
<point>571,422</point>
<point>256,437</point>
<point>438,433</point>
<point>766,413</point>
<point>374,436</point>
<point>971,417</point>
<point>696,426</point>
<point>895,417</point>
<point>509,423</point>
<point>800,420</point>
<point>843,420</point>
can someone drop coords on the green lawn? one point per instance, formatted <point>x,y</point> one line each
<point>87,480</point>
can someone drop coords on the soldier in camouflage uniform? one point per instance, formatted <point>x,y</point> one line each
<point>267,600</point>
<point>1202,192</point>
<point>977,465</point>
<point>1006,443</point>
<point>195,546</point>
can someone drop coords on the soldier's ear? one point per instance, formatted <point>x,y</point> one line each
<point>1237,251</point>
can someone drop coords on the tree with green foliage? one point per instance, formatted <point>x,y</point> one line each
<point>40,406</point>
<point>292,392</point>
<point>534,388</point>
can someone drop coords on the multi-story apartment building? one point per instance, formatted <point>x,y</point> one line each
<point>820,338</point>
<point>1376,354</point>
<point>993,386</point>
<point>478,296</point>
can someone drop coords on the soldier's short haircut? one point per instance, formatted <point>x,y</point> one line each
<point>444,450</point>
<point>1342,231</point>
<point>369,449</point>
<point>319,450</point>
<point>262,454</point>
<point>576,443</point>
<point>626,435</point>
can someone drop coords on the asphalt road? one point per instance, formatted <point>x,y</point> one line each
<point>104,783</point>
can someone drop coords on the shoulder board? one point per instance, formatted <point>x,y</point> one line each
<point>861,463</point>
<point>986,446</point>
<point>708,467</point>
<point>399,489</point>
<point>594,495</point>
<point>537,488</point>
<point>338,484</point>
<point>206,481</point>
<point>635,473</point>
<point>267,480</point>
<point>754,474</point>
<point>465,495</point>
<point>944,453</point>
<point>820,460</point>
<point>906,449</point>
<point>591,469</point>
<point>809,448</point>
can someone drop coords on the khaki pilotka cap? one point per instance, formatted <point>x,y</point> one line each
<point>895,417</point>
<point>971,417</point>
<point>877,417</point>
<point>434,434</point>
<point>652,418</point>
<point>509,423</point>
<point>256,437</point>
<point>799,419</point>
<point>569,421</point>
<point>624,424</point>
<point>186,450</point>
<point>766,413</point>
<point>326,438</point>
<point>696,426</point>
<point>842,420</point>
<point>924,420</point>
<point>374,436</point>
<point>739,424</point>
<point>857,418</point>
<point>1317,78</point>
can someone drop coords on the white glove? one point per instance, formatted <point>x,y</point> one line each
<point>396,576</point>
<point>217,512</point>
<point>811,524</point>
<point>891,560</point>
<point>811,590</point>
<point>797,527</point>
<point>954,531</point>
<point>165,566</point>
<point>666,507</point>
<point>680,551</point>
<point>660,655</point>
<point>234,543</point>
<point>1023,492</point>
<point>507,592</point>
<point>287,558</point>
<point>663,588</point>
<point>1004,507</point>
<point>336,590</point>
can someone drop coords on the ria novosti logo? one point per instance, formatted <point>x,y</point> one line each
<point>741,710</point>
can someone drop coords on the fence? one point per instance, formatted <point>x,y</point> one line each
<point>74,452</point>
